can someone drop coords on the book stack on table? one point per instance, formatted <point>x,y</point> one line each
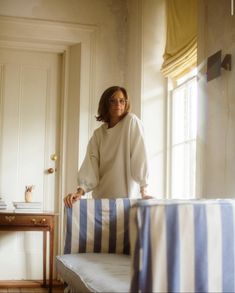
<point>21,205</point>
<point>3,205</point>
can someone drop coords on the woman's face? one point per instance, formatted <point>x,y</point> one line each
<point>117,104</point>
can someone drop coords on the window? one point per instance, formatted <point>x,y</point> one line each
<point>182,137</point>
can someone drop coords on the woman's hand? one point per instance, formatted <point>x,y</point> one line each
<point>145,196</point>
<point>143,192</point>
<point>71,198</point>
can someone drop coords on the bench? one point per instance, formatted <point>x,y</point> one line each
<point>126,245</point>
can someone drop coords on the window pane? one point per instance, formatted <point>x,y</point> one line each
<point>183,170</point>
<point>183,144</point>
<point>178,115</point>
<point>184,112</point>
<point>192,108</point>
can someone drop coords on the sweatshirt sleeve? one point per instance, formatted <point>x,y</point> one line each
<point>139,158</point>
<point>88,174</point>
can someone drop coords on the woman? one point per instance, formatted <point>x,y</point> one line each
<point>115,164</point>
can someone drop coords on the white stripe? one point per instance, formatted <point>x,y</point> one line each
<point>159,249</point>
<point>120,225</point>
<point>105,225</point>
<point>186,230</point>
<point>75,227</point>
<point>139,221</point>
<point>233,206</point>
<point>134,229</point>
<point>90,225</point>
<point>214,248</point>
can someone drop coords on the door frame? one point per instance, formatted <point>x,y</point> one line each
<point>58,37</point>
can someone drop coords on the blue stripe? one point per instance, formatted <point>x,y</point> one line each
<point>145,277</point>
<point>83,225</point>
<point>135,261</point>
<point>126,244</point>
<point>201,250</point>
<point>227,223</point>
<point>173,248</point>
<point>68,214</point>
<point>98,225</point>
<point>112,226</point>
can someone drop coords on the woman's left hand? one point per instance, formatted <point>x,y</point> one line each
<point>145,196</point>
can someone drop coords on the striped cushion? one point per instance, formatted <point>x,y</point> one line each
<point>98,225</point>
<point>184,247</point>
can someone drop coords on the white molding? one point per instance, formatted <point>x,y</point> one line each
<point>2,75</point>
<point>135,72</point>
<point>141,55</point>
<point>167,138</point>
<point>43,30</point>
<point>63,145</point>
<point>32,46</point>
<point>54,36</point>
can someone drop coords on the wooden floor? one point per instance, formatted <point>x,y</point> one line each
<point>28,287</point>
<point>30,290</point>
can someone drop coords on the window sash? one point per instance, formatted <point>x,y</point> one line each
<point>182,131</point>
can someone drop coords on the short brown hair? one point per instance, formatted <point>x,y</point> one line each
<point>103,109</point>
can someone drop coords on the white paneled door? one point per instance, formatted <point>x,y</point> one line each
<point>29,137</point>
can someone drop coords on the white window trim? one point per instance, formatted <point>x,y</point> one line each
<point>171,85</point>
<point>168,140</point>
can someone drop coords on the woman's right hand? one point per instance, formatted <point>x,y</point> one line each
<point>71,198</point>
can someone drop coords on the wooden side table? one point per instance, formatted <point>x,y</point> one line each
<point>33,221</point>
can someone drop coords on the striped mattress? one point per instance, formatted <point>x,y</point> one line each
<point>185,246</point>
<point>98,225</point>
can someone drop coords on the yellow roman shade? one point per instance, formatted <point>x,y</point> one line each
<point>181,42</point>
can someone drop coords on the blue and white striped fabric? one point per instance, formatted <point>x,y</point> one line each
<point>183,246</point>
<point>98,225</point>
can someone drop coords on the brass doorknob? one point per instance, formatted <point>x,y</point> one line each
<point>50,170</point>
<point>54,157</point>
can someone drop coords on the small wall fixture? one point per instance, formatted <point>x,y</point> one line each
<point>214,64</point>
<point>227,62</point>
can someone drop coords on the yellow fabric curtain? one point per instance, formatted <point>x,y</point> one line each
<point>181,42</point>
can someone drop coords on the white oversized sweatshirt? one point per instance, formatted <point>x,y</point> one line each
<point>115,164</point>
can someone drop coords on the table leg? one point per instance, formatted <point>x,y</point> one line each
<point>44,258</point>
<point>51,259</point>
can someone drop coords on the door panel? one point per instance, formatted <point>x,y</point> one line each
<point>29,120</point>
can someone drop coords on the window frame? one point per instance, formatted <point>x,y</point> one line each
<point>171,86</point>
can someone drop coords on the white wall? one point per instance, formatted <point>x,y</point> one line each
<point>154,94</point>
<point>146,44</point>
<point>110,17</point>
<point>129,48</point>
<point>134,53</point>
<point>216,160</point>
